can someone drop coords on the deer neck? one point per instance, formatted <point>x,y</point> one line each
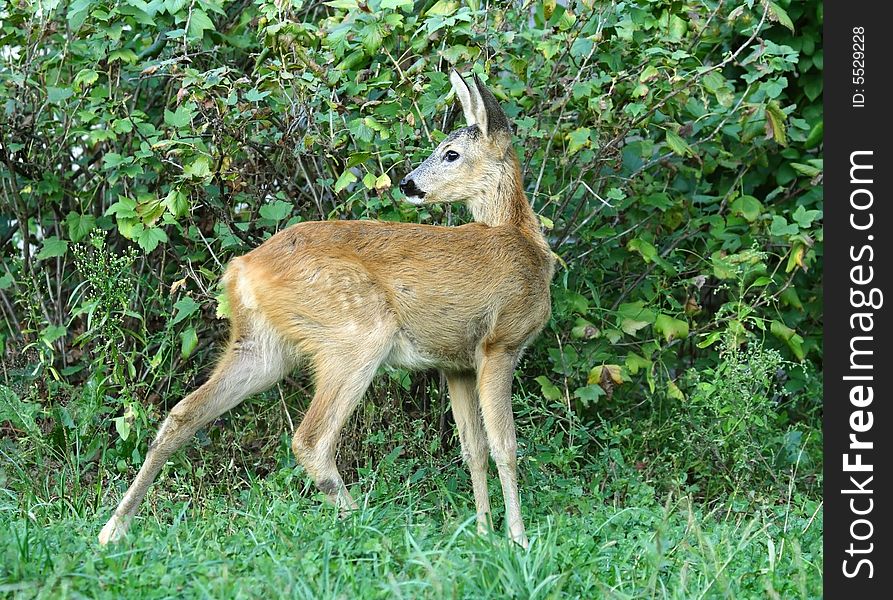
<point>504,202</point>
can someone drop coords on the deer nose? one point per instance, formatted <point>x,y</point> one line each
<point>408,187</point>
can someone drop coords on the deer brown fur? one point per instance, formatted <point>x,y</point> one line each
<point>345,297</point>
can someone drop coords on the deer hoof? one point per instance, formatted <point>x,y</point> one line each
<point>114,530</point>
<point>520,538</point>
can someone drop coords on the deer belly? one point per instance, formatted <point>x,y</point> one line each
<point>408,352</point>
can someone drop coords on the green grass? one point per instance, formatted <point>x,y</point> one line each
<point>220,531</point>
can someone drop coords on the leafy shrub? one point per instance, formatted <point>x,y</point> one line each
<point>731,414</point>
<point>673,151</point>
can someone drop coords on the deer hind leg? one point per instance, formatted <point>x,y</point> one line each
<point>467,412</point>
<point>495,389</point>
<point>250,365</point>
<point>341,381</point>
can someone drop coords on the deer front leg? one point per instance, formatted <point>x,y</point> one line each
<point>247,368</point>
<point>495,391</point>
<point>467,412</point>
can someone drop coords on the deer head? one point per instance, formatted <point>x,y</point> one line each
<point>472,163</point>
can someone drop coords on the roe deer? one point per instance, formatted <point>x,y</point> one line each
<point>348,296</point>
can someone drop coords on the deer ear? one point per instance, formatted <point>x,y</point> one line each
<point>493,114</point>
<point>472,103</point>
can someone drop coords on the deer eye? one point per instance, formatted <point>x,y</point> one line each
<point>451,156</point>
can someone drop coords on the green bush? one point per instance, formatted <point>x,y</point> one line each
<point>672,149</point>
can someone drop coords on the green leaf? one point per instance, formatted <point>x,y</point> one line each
<point>125,55</point>
<point>578,138</point>
<point>181,118</point>
<point>222,310</point>
<point>778,14</point>
<point>782,331</point>
<point>276,210</point>
<point>813,85</point>
<point>149,208</point>
<point>631,326</point>
<point>747,206</point>
<point>186,307</point>
<point>775,124</point>
<point>781,228</point>
<point>816,135</point>
<point>122,126</point>
<point>199,23</point>
<point>670,328</point>
<point>714,81</point>
<point>198,168</point>
<point>188,342</point>
<point>648,73</point>
<point>550,391</point>
<point>51,333</point>
<point>443,8</point>
<point>583,329</point>
<point>77,13</point>
<point>677,27</point>
<point>18,412</point>
<point>674,392</point>
<point>634,363</point>
<point>150,237</point>
<point>345,180</point>
<point>358,158</point>
<point>125,207</point>
<point>577,302</point>
<point>566,20</point>
<point>122,426</point>
<point>659,200</point>
<point>57,95</point>
<point>643,247</point>
<point>649,253</point>
<point>176,202</point>
<point>805,218</point>
<point>636,310</point>
<point>130,228</point>
<point>805,169</point>
<point>52,247</point>
<point>85,77</point>
<point>796,258</point>
<point>789,297</point>
<point>110,160</point>
<point>547,223</point>
<point>174,6</point>
<point>79,225</point>
<point>255,95</point>
<point>582,46</point>
<point>710,339</point>
<point>677,144</point>
<point>589,394</point>
<point>372,37</point>
<point>790,337</point>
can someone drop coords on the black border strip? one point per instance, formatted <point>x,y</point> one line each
<point>857,416</point>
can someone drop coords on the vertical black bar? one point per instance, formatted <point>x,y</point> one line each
<point>858,234</point>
